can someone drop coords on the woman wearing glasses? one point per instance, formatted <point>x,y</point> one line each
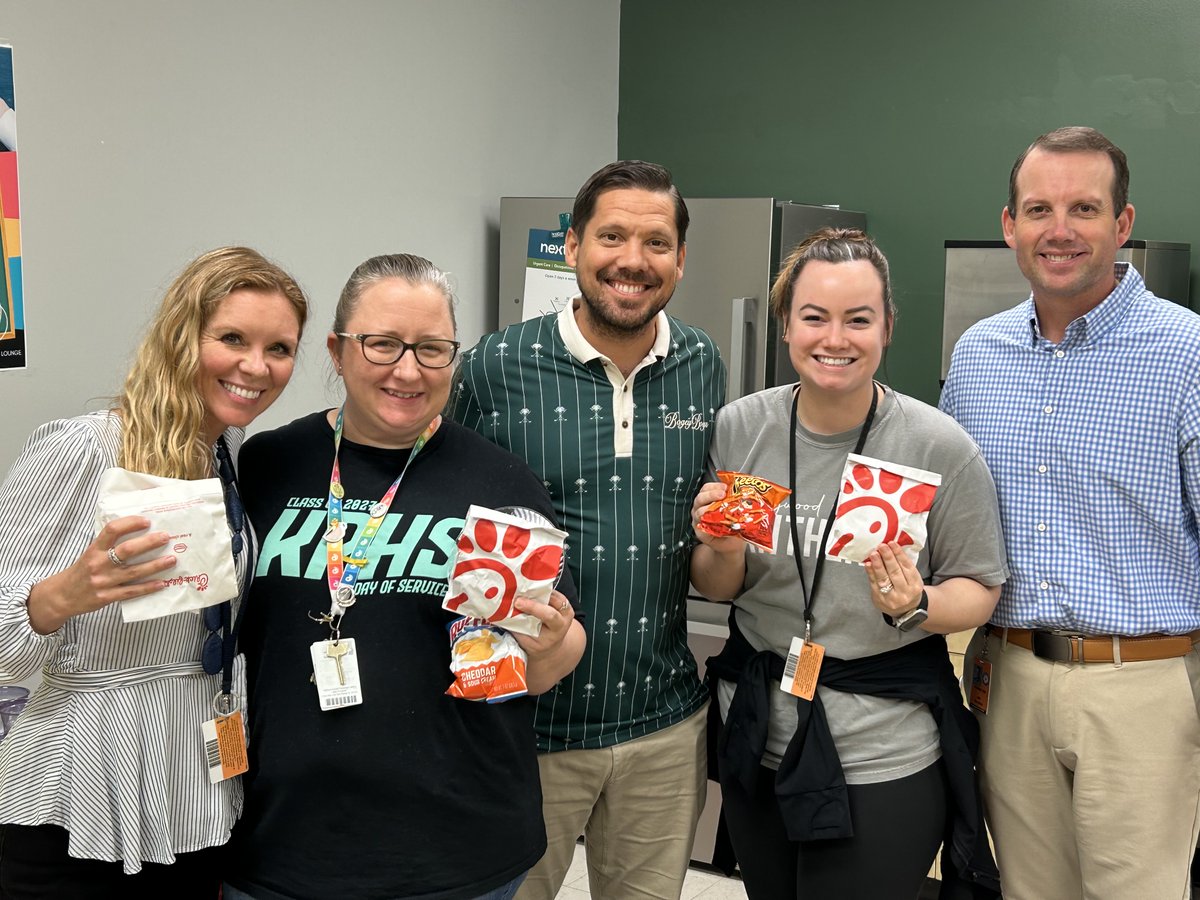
<point>375,783</point>
<point>104,781</point>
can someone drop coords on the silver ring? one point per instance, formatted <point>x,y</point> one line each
<point>114,559</point>
<point>886,587</point>
<point>564,605</point>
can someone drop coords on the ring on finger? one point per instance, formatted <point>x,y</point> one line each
<point>886,587</point>
<point>562,607</point>
<point>114,559</point>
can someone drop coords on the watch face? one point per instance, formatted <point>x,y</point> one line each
<point>913,619</point>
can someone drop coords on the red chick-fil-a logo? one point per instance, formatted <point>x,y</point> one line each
<point>498,552</point>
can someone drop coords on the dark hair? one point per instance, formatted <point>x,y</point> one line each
<point>627,173</point>
<point>833,245</point>
<point>1077,139</point>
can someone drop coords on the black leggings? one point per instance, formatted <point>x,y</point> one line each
<point>34,865</point>
<point>898,828</point>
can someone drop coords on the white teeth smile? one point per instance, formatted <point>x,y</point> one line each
<point>1054,257</point>
<point>401,395</point>
<point>834,360</point>
<point>241,392</point>
<point>621,288</point>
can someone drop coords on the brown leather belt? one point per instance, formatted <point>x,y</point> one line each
<point>1065,647</point>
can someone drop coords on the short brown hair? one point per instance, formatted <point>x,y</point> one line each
<point>628,173</point>
<point>1077,139</point>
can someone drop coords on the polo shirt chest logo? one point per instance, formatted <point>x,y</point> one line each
<point>690,420</point>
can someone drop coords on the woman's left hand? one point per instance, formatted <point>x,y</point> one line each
<point>888,565</point>
<point>556,618</point>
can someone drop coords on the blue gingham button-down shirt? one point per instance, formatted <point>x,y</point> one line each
<point>1094,444</point>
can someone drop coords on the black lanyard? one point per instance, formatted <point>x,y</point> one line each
<point>810,597</point>
<point>235,514</point>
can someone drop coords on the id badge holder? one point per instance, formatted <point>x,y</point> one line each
<point>225,740</point>
<point>802,668</point>
<point>981,681</point>
<point>335,673</point>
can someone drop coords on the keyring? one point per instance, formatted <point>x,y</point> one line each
<point>225,704</point>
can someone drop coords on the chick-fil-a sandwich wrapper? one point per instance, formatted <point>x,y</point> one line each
<point>880,502</point>
<point>503,555</point>
<point>192,512</point>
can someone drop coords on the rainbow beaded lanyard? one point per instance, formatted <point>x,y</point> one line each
<point>342,571</point>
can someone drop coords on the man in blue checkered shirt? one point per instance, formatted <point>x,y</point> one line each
<point>1086,402</point>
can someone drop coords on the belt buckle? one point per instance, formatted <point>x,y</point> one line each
<point>1057,647</point>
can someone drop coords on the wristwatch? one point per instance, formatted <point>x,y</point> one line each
<point>913,617</point>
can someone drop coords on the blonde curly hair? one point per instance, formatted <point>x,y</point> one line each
<point>161,407</point>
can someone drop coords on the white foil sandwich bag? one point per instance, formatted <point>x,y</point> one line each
<point>192,512</point>
<point>502,555</point>
<point>881,501</point>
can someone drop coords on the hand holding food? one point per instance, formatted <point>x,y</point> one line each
<point>747,511</point>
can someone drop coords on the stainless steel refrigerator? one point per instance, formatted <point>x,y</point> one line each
<point>733,251</point>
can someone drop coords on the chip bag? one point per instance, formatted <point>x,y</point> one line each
<point>881,502</point>
<point>487,662</point>
<point>747,511</point>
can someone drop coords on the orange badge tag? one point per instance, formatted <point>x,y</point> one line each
<point>802,668</point>
<point>981,685</point>
<point>225,746</point>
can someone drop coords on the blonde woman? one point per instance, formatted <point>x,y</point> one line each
<point>104,787</point>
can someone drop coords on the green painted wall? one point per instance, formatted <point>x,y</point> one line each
<point>914,113</point>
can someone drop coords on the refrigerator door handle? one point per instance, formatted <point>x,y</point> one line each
<point>741,345</point>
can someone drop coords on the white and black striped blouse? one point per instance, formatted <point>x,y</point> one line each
<point>109,746</point>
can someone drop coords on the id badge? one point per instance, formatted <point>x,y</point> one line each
<point>981,685</point>
<point>335,673</point>
<point>225,746</point>
<point>802,668</point>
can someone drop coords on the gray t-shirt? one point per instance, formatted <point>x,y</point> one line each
<point>877,739</point>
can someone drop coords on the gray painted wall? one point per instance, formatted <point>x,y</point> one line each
<point>320,133</point>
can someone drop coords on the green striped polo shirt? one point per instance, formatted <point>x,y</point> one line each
<point>622,460</point>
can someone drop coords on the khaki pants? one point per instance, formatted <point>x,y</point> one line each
<point>1090,774</point>
<point>636,804</point>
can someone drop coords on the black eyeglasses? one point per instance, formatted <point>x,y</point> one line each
<point>385,350</point>
<point>216,617</point>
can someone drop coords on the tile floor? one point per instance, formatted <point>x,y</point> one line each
<point>698,884</point>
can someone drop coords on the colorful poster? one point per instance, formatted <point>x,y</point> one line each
<point>12,314</point>
<point>549,281</point>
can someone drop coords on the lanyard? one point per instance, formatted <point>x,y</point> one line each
<point>235,515</point>
<point>810,597</point>
<point>342,571</point>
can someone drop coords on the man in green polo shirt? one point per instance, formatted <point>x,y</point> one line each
<point>612,402</point>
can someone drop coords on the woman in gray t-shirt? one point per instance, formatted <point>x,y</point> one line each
<point>834,301</point>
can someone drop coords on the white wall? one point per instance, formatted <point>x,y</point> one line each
<point>319,132</point>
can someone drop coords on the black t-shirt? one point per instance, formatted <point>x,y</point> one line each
<point>412,794</point>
